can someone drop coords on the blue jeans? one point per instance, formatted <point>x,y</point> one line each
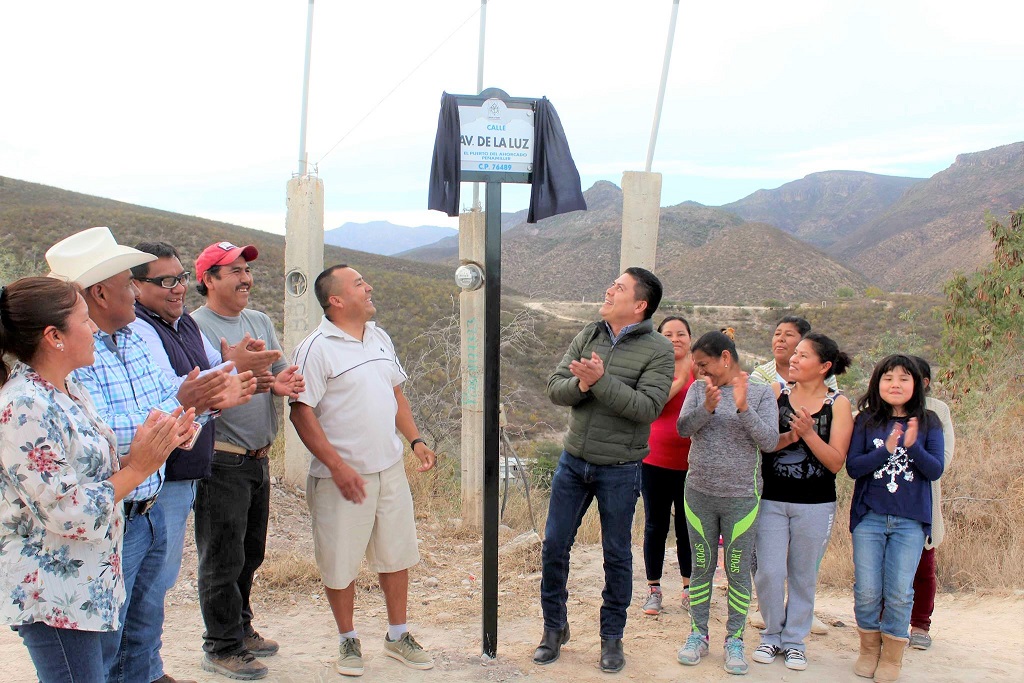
<point>176,500</point>
<point>128,652</point>
<point>62,655</point>
<point>886,551</point>
<point>574,485</point>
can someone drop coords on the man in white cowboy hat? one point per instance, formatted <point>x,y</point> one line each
<point>126,385</point>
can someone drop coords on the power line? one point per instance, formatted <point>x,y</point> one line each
<point>398,85</point>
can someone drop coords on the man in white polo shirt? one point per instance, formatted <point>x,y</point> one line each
<point>357,491</point>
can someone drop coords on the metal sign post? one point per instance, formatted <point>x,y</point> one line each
<point>497,138</point>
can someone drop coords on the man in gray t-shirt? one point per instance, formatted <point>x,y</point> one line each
<point>233,505</point>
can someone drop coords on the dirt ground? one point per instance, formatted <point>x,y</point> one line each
<point>978,637</point>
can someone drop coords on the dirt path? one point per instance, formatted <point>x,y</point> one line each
<point>977,637</point>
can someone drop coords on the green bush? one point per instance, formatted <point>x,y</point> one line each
<point>545,456</point>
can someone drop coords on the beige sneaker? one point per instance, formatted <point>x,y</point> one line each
<point>350,658</point>
<point>755,619</point>
<point>408,652</point>
<point>818,627</point>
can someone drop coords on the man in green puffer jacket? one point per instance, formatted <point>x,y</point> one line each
<point>616,377</point>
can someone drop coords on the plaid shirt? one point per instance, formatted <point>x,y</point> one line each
<point>125,385</point>
<point>622,333</point>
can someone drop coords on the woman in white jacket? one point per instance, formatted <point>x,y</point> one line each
<point>925,582</point>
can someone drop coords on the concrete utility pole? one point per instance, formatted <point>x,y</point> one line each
<point>471,318</point>
<point>303,261</point>
<point>641,192</point>
<point>472,236</point>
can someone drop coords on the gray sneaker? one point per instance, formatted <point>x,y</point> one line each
<point>242,666</point>
<point>350,658</point>
<point>408,652</point>
<point>734,660</point>
<point>920,640</point>
<point>653,604</point>
<point>695,647</point>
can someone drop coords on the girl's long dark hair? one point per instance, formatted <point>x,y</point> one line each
<point>876,410</point>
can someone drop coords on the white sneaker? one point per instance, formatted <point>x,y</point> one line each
<point>765,653</point>
<point>795,659</point>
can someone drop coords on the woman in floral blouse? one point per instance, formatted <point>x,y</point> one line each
<point>61,522</point>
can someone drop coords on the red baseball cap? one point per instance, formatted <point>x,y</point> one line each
<point>220,254</point>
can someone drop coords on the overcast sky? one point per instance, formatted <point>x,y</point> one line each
<point>194,107</point>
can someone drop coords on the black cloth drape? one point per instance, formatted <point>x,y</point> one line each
<point>556,182</point>
<point>443,194</point>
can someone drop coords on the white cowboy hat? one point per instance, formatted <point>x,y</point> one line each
<point>92,256</point>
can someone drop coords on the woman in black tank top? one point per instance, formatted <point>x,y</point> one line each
<point>799,499</point>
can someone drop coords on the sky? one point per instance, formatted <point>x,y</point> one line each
<point>194,107</point>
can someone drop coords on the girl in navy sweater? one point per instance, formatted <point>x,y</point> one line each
<point>895,454</point>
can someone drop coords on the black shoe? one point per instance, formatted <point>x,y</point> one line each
<point>551,645</point>
<point>612,659</point>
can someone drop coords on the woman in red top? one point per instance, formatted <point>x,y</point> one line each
<point>663,473</point>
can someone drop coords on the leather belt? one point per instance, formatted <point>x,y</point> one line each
<point>225,447</point>
<point>134,508</point>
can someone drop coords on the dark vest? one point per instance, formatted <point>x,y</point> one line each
<point>184,348</point>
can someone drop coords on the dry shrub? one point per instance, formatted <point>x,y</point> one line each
<point>982,493</point>
<point>277,456</point>
<point>435,493</point>
<point>837,566</point>
<point>983,488</point>
<point>289,570</point>
<point>519,560</point>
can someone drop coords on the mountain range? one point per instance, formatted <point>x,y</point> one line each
<point>383,237</point>
<point>802,241</point>
<point>798,242</point>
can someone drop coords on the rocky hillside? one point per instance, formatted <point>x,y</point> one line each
<point>821,208</point>
<point>705,255</point>
<point>446,251</point>
<point>33,217</point>
<point>938,225</point>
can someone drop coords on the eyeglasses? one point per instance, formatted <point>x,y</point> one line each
<point>168,281</point>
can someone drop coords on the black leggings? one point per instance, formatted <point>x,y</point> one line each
<point>662,489</point>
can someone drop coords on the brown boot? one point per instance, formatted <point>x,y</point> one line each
<point>891,661</point>
<point>870,650</point>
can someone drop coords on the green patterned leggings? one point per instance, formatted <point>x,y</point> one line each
<point>735,519</point>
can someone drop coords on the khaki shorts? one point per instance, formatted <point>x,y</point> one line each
<point>382,527</point>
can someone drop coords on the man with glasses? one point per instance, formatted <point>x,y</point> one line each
<point>177,348</point>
